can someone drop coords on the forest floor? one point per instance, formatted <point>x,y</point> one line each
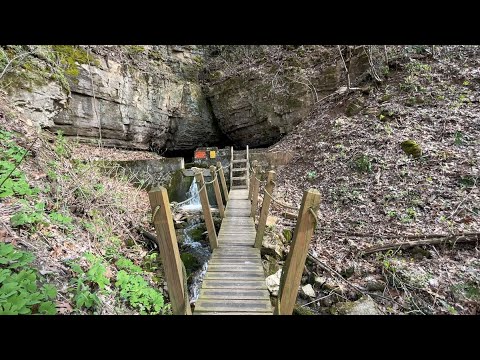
<point>373,193</point>
<point>81,223</point>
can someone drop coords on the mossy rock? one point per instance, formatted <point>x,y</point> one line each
<point>387,115</point>
<point>354,107</point>
<point>385,98</point>
<point>191,263</point>
<point>299,310</point>
<point>287,234</point>
<point>197,233</point>
<point>410,147</point>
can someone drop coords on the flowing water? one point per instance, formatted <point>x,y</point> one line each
<point>194,203</point>
<point>199,250</point>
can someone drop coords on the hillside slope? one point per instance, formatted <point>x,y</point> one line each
<point>350,149</point>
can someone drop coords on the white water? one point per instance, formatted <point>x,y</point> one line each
<point>202,254</point>
<point>194,203</point>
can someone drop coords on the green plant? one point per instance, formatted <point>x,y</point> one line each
<point>29,216</point>
<point>12,180</point>
<point>311,175</point>
<point>458,138</point>
<point>19,289</point>
<point>61,145</point>
<point>135,290</point>
<point>363,164</point>
<point>88,283</point>
<point>411,215</point>
<point>64,220</point>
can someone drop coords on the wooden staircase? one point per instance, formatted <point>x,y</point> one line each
<point>239,170</point>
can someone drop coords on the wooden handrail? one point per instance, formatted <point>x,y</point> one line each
<point>207,214</point>
<point>168,247</point>
<point>295,263</point>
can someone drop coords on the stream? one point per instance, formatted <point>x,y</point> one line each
<point>199,250</point>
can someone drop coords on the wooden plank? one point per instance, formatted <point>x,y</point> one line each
<point>235,255</point>
<point>234,284</point>
<point>234,305</point>
<point>237,213</point>
<point>222,181</point>
<point>295,262</point>
<point>235,203</point>
<point>168,247</point>
<point>262,221</point>
<point>212,236</point>
<point>229,261</point>
<point>230,313</point>
<point>234,276</point>
<point>235,294</point>
<point>235,267</point>
<point>255,191</point>
<point>245,250</point>
<point>218,194</point>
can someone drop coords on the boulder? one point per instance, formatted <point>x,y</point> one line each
<point>273,282</point>
<point>363,306</point>
<point>410,147</point>
<point>307,290</point>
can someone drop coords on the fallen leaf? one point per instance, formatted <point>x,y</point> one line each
<point>4,237</point>
<point>64,307</point>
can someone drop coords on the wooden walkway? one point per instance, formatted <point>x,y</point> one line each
<point>235,281</point>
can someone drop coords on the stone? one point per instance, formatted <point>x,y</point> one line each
<point>273,282</point>
<point>271,220</point>
<point>155,109</point>
<point>354,107</point>
<point>410,147</point>
<point>372,284</point>
<point>325,283</point>
<point>307,290</point>
<point>364,306</point>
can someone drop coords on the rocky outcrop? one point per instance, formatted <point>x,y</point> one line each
<point>150,97</point>
<point>155,102</point>
<point>261,103</point>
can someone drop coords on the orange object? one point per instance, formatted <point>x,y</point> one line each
<point>200,154</point>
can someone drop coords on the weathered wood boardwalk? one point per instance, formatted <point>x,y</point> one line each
<point>235,281</point>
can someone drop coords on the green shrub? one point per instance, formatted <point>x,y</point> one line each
<point>19,289</point>
<point>136,291</point>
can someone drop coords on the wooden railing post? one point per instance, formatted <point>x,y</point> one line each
<point>168,247</point>
<point>231,167</point>
<point>265,207</point>
<point>222,180</point>
<point>216,188</point>
<point>248,173</point>
<point>293,268</point>
<point>207,214</point>
<point>256,188</point>
<point>252,181</point>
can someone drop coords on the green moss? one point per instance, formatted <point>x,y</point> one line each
<point>70,55</point>
<point>410,147</point>
<point>135,49</point>
<point>196,234</point>
<point>191,263</point>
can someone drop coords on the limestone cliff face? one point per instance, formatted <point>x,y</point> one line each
<point>144,97</point>
<point>154,102</point>
<point>259,104</point>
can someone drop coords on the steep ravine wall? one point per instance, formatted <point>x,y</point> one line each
<point>155,103</point>
<point>151,97</point>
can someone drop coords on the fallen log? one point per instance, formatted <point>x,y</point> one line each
<point>432,241</point>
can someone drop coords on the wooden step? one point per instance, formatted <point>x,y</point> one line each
<point>240,161</point>
<point>239,178</point>
<point>239,169</point>
<point>238,187</point>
